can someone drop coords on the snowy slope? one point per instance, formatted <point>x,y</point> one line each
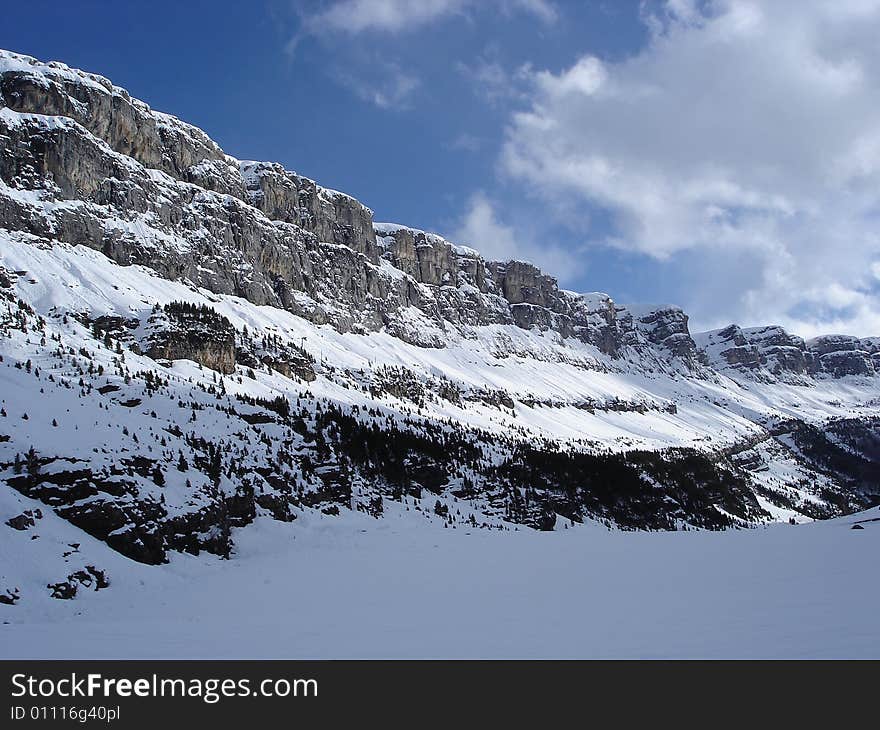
<point>207,359</point>
<point>351,588</point>
<point>552,373</point>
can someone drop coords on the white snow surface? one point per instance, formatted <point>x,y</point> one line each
<point>355,587</point>
<point>404,586</point>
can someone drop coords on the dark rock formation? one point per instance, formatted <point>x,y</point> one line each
<point>10,596</point>
<point>774,352</point>
<point>182,331</point>
<point>841,355</point>
<point>668,328</point>
<point>25,520</point>
<point>90,578</point>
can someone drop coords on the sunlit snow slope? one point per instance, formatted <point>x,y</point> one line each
<point>196,348</point>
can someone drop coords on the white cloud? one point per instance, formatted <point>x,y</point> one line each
<point>543,10</point>
<point>494,83</point>
<point>357,16</point>
<point>466,142</point>
<point>384,84</point>
<point>396,16</point>
<point>743,129</point>
<point>481,229</point>
<point>586,77</point>
<point>350,24</point>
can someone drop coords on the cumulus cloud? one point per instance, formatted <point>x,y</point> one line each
<point>480,228</point>
<point>743,130</point>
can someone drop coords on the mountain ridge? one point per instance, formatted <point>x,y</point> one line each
<point>161,141</point>
<point>192,343</point>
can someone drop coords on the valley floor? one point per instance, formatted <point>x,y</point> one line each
<point>352,586</point>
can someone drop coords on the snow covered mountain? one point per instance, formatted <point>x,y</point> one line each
<point>191,342</point>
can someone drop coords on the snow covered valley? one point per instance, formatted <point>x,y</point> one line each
<point>240,418</point>
<point>353,586</point>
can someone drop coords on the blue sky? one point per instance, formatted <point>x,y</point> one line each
<point>720,155</point>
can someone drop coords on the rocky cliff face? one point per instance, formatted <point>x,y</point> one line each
<point>871,345</point>
<point>771,352</point>
<point>85,163</point>
<point>331,216</point>
<point>840,355</point>
<point>667,328</point>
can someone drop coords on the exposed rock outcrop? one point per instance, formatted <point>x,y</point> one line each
<point>771,352</point>
<point>180,331</point>
<point>840,355</point>
<point>668,327</point>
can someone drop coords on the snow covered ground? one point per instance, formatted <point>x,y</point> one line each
<point>355,587</point>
